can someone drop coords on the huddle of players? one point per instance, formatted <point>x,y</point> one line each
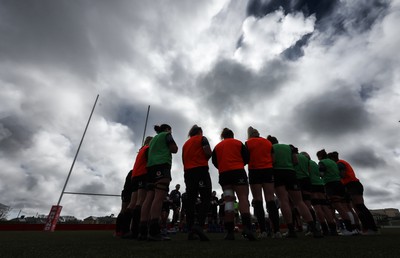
<point>316,190</point>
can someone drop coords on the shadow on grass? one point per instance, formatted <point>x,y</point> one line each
<point>103,244</point>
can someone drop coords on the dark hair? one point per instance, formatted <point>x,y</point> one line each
<point>194,130</point>
<point>333,156</point>
<point>294,149</point>
<point>227,133</point>
<point>272,139</point>
<point>252,132</point>
<point>322,154</point>
<point>162,128</point>
<point>305,154</point>
<point>147,140</point>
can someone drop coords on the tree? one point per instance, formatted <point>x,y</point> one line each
<point>4,210</point>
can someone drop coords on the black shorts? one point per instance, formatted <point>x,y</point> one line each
<point>197,178</point>
<point>165,208</point>
<point>156,173</point>
<point>287,178</point>
<point>347,197</point>
<point>305,184</point>
<point>261,176</point>
<point>354,188</point>
<point>127,191</point>
<point>335,188</point>
<point>233,177</point>
<point>126,195</point>
<point>319,202</point>
<point>317,189</point>
<point>139,182</point>
<point>183,214</point>
<point>175,206</point>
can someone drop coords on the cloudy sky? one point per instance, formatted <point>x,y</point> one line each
<point>316,74</point>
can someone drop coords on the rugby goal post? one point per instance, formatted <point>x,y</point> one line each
<point>55,210</point>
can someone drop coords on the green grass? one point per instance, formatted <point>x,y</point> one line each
<point>103,244</point>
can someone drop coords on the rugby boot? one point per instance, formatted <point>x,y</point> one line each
<point>229,236</point>
<point>248,234</point>
<point>200,232</point>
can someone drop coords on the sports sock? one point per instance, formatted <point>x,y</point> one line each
<point>246,220</point>
<point>260,214</point>
<point>143,228</point>
<point>314,217</point>
<point>348,225</point>
<point>367,216</point>
<point>154,228</point>
<point>229,226</point>
<point>290,227</point>
<point>332,228</point>
<point>126,221</point>
<point>273,215</point>
<point>324,228</point>
<point>135,220</point>
<point>350,214</point>
<point>311,226</point>
<point>118,223</point>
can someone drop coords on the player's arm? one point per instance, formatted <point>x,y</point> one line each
<point>206,147</point>
<point>173,148</point>
<point>342,169</point>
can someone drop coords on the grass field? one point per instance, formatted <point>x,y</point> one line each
<point>103,244</point>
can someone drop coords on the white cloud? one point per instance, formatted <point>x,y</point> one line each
<point>266,38</point>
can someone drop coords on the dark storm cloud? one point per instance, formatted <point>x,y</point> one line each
<point>334,112</point>
<point>358,16</point>
<point>226,86</point>
<point>296,50</point>
<point>367,91</point>
<point>32,182</point>
<point>378,192</point>
<point>366,157</point>
<point>19,135</point>
<point>230,86</point>
<point>93,187</point>
<point>72,36</point>
<point>379,195</point>
<point>131,114</point>
<point>45,33</point>
<point>22,203</point>
<point>4,132</point>
<point>333,18</point>
<point>160,114</point>
<point>180,77</point>
<point>351,18</point>
<point>320,8</point>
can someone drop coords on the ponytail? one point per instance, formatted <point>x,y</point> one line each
<point>162,128</point>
